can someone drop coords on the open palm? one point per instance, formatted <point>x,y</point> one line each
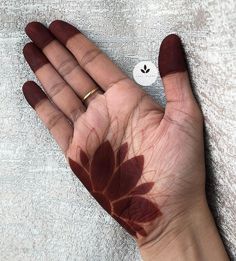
<point>142,163</point>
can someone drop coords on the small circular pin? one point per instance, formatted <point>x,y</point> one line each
<point>145,73</point>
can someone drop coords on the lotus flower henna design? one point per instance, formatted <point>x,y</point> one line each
<point>113,183</point>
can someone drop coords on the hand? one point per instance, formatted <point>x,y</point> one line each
<point>144,164</point>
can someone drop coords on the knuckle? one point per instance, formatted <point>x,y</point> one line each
<point>89,56</point>
<point>53,120</point>
<point>56,88</point>
<point>121,81</point>
<point>67,66</point>
<point>76,113</point>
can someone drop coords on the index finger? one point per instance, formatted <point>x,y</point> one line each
<point>88,55</point>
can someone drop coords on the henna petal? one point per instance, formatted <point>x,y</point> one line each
<point>142,189</point>
<point>140,230</point>
<point>102,166</point>
<point>125,178</point>
<point>81,173</point>
<point>125,225</point>
<point>121,153</point>
<point>84,159</point>
<point>103,201</point>
<point>136,209</point>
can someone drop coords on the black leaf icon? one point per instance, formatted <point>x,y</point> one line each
<point>145,70</point>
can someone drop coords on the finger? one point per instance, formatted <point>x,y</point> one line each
<point>56,88</point>
<point>61,59</point>
<point>90,58</point>
<point>173,70</point>
<point>53,118</point>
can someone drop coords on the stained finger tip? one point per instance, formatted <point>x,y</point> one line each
<point>57,24</point>
<point>28,47</point>
<point>63,30</point>
<point>33,93</point>
<point>24,87</point>
<point>56,21</point>
<point>28,86</point>
<point>53,24</point>
<point>170,41</point>
<point>31,26</point>
<point>34,57</point>
<point>171,57</point>
<point>171,38</point>
<point>39,34</point>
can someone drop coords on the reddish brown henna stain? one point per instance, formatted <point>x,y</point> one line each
<point>33,93</point>
<point>39,34</point>
<point>113,183</point>
<point>171,57</point>
<point>63,31</point>
<point>142,189</point>
<point>125,178</point>
<point>121,153</point>
<point>102,166</point>
<point>33,55</point>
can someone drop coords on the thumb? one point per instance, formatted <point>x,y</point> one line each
<point>174,74</point>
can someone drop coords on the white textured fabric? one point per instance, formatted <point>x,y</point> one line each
<point>45,213</point>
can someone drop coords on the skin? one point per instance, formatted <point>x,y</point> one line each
<point>144,164</point>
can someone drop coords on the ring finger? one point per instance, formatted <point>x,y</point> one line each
<point>56,88</point>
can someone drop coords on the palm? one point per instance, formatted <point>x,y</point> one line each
<point>129,126</point>
<point>137,160</point>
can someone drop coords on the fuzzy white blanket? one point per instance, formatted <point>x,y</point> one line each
<point>45,213</point>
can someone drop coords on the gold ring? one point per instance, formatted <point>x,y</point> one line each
<point>89,94</point>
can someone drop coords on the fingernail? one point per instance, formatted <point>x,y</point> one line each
<point>33,55</point>
<point>33,93</point>
<point>171,56</point>
<point>39,34</point>
<point>63,31</point>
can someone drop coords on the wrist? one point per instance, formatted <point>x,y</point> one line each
<point>193,236</point>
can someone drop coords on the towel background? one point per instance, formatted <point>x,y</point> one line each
<point>45,213</point>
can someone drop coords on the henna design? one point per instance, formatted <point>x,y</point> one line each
<point>113,183</point>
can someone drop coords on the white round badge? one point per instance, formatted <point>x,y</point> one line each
<point>145,73</point>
